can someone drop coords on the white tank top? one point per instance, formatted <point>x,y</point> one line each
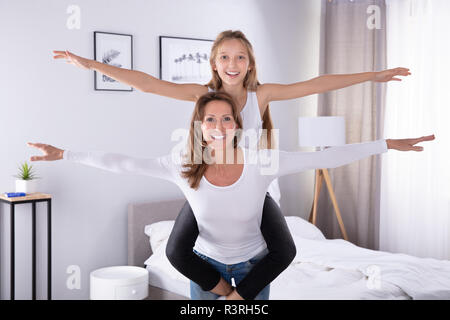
<point>252,124</point>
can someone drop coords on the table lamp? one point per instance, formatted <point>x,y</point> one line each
<point>322,132</point>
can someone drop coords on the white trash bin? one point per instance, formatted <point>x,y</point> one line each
<point>119,283</point>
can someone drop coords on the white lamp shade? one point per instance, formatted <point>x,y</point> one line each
<point>321,131</point>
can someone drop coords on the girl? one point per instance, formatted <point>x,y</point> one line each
<point>228,218</point>
<point>234,71</point>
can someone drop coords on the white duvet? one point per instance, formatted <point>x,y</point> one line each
<point>337,269</point>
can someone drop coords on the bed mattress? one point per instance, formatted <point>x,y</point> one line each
<point>300,281</point>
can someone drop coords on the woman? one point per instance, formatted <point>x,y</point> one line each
<point>227,196</point>
<point>233,67</point>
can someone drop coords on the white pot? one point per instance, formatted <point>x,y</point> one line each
<point>27,186</point>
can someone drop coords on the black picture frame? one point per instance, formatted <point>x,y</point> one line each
<point>103,82</point>
<point>203,73</point>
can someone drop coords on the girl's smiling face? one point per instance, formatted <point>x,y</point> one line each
<point>232,62</point>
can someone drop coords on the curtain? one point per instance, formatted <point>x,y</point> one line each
<point>350,44</point>
<point>415,186</point>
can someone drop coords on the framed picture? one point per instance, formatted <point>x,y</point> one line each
<point>184,60</point>
<point>114,49</point>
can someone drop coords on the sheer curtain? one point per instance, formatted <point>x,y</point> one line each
<point>415,186</point>
<point>349,46</point>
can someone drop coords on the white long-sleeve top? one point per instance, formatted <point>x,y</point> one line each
<point>229,218</point>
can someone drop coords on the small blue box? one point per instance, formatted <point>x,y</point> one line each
<point>15,194</point>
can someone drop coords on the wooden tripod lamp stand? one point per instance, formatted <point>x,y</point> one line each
<point>321,132</point>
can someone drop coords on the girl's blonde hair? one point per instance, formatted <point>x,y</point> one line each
<point>194,170</point>
<point>250,81</point>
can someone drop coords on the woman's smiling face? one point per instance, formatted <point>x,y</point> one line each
<point>218,124</point>
<point>232,62</point>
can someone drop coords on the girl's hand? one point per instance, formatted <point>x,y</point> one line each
<point>50,153</point>
<point>407,144</point>
<point>388,75</point>
<point>73,59</point>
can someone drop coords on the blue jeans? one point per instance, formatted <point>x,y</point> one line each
<point>238,271</point>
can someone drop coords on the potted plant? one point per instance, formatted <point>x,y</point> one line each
<point>26,181</point>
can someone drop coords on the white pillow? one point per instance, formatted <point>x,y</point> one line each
<point>158,232</point>
<point>303,229</point>
<point>158,262</point>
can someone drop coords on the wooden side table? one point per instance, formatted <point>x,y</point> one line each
<point>32,198</point>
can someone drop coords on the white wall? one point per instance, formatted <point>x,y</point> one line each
<point>42,100</point>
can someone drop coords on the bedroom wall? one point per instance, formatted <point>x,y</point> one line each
<point>42,100</point>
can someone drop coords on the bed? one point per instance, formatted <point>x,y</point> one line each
<point>322,269</point>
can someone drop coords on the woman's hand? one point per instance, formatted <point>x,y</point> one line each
<point>388,75</point>
<point>407,144</point>
<point>73,59</point>
<point>50,153</point>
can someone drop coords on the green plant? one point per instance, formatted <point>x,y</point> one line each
<point>26,172</point>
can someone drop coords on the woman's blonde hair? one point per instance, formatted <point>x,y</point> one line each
<point>194,166</point>
<point>250,81</point>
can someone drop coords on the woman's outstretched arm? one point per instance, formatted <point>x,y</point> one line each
<point>273,92</point>
<point>283,163</point>
<point>160,167</point>
<point>137,79</point>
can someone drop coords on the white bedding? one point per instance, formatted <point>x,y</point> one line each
<point>158,278</point>
<point>418,278</point>
<point>305,281</point>
<point>330,269</point>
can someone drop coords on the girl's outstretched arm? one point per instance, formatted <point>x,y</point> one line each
<point>137,79</point>
<point>272,92</point>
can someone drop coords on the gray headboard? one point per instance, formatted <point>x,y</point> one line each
<point>142,214</point>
